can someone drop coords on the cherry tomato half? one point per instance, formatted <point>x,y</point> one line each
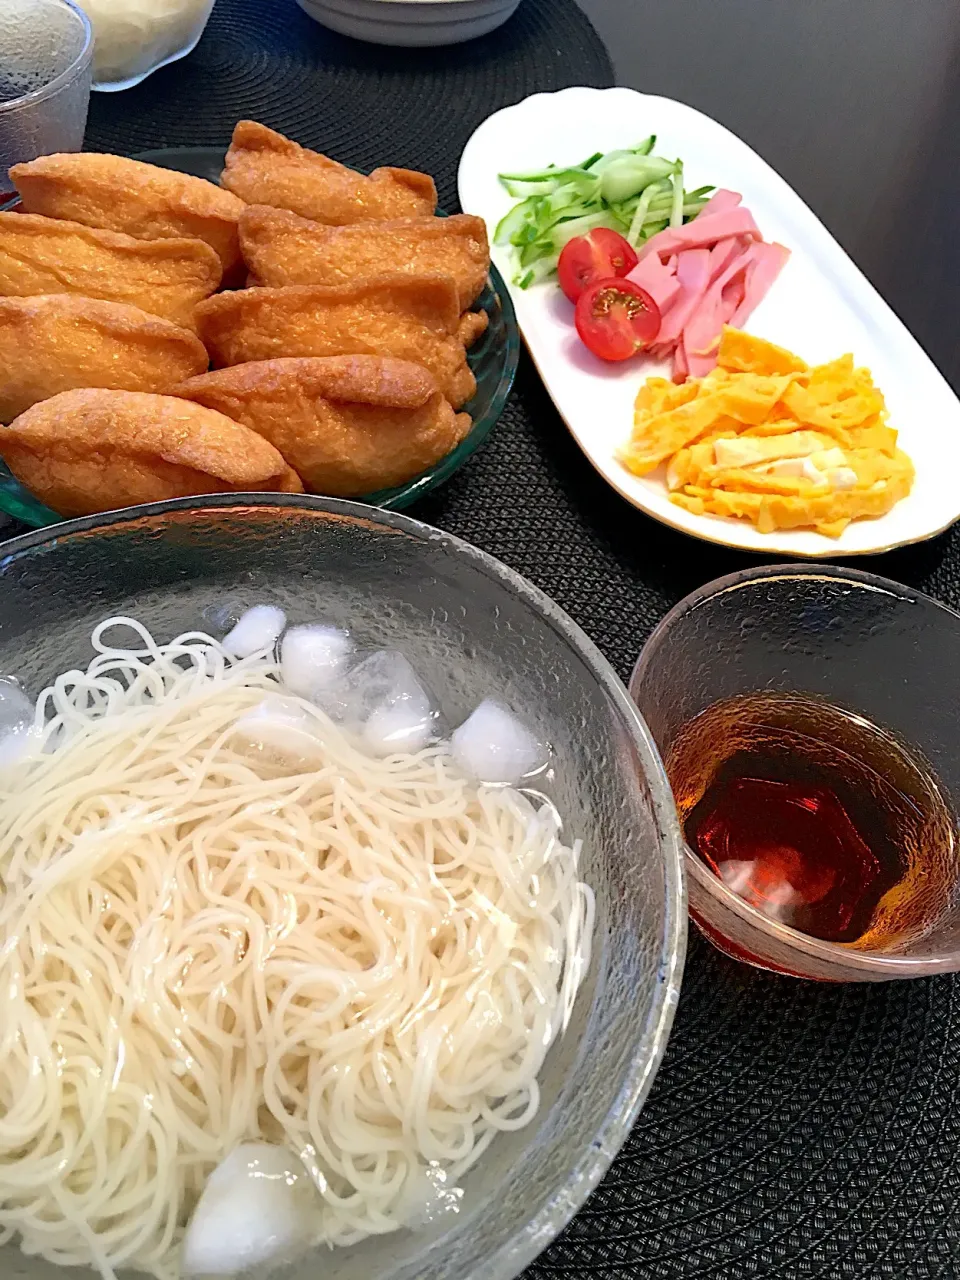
<point>616,318</point>
<point>596,256</point>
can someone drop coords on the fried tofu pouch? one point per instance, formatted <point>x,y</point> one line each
<point>94,450</point>
<point>408,317</point>
<point>280,248</point>
<point>264,167</point>
<point>50,255</point>
<point>58,342</point>
<point>139,199</point>
<point>766,438</point>
<point>349,425</point>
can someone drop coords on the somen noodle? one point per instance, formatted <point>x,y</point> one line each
<point>205,944</point>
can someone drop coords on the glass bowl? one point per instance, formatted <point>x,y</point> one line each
<point>46,48</point>
<point>493,359</point>
<point>862,642</point>
<point>477,628</point>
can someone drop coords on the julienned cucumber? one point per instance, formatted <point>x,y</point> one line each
<point>629,190</point>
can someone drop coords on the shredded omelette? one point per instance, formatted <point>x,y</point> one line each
<point>764,437</point>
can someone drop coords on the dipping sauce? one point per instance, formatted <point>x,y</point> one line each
<point>816,817</point>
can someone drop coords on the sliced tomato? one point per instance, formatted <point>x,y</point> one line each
<point>595,256</point>
<point>616,318</point>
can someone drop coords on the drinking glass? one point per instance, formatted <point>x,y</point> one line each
<point>863,643</point>
<point>46,50</point>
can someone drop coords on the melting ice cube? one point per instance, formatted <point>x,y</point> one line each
<point>427,1196</point>
<point>382,700</point>
<point>282,729</point>
<point>312,657</point>
<point>492,745</point>
<point>257,629</point>
<point>259,1207</point>
<point>16,722</point>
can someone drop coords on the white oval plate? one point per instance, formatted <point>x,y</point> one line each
<point>820,307</point>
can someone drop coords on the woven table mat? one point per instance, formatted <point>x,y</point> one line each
<point>794,1130</point>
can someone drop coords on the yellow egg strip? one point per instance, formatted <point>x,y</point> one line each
<point>765,438</point>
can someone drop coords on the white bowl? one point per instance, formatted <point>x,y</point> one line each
<point>167,43</point>
<point>412,23</point>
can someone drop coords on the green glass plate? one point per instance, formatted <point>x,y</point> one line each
<point>493,360</point>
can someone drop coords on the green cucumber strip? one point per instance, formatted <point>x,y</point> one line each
<point>635,229</point>
<point>676,207</point>
<point>629,190</point>
<point>572,227</point>
<point>512,221</point>
<point>626,178</point>
<point>520,190</point>
<point>541,270</point>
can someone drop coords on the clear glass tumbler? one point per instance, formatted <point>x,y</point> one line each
<point>862,643</point>
<point>46,50</point>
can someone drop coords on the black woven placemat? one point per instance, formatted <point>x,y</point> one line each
<point>794,1130</point>
<point>364,105</point>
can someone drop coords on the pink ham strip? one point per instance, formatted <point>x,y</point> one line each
<point>702,334</point>
<point>767,263</point>
<point>702,232</point>
<point>723,253</point>
<point>693,276</point>
<point>720,202</point>
<point>680,366</point>
<point>731,298</point>
<point>713,271</point>
<point>658,280</point>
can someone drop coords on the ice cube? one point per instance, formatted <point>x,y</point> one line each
<point>258,1208</point>
<point>382,700</point>
<point>403,722</point>
<point>281,729</point>
<point>16,722</point>
<point>427,1196</point>
<point>257,630</point>
<point>493,746</point>
<point>312,657</point>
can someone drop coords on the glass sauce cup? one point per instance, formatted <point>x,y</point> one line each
<point>860,642</point>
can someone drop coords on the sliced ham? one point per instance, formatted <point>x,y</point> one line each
<point>697,366</point>
<point>703,232</point>
<point>721,201</point>
<point>723,253</point>
<point>713,271</point>
<point>701,334</point>
<point>732,296</point>
<point>658,280</point>
<point>681,368</point>
<point>767,263</point>
<point>693,277</point>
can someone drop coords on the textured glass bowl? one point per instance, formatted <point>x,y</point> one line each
<point>46,49</point>
<point>859,641</point>
<point>493,360</point>
<point>475,628</point>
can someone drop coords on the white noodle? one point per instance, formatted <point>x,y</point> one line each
<point>201,947</point>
